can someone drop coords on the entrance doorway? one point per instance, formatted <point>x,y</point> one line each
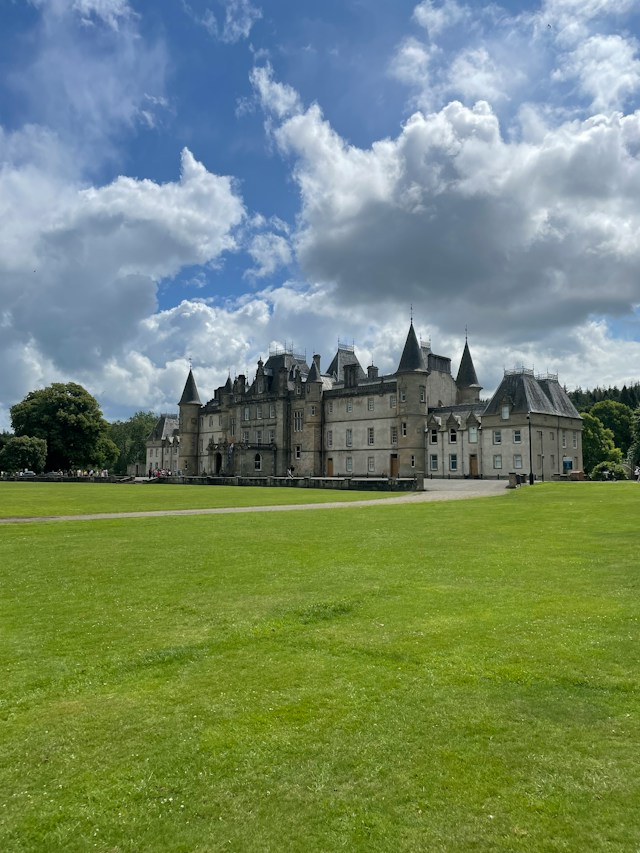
<point>330,467</point>
<point>218,463</point>
<point>393,465</point>
<point>473,465</point>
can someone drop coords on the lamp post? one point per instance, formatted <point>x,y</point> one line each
<point>530,451</point>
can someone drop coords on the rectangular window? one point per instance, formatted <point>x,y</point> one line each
<point>453,436</point>
<point>433,462</point>
<point>473,435</point>
<point>453,461</point>
<point>313,411</point>
<point>517,436</point>
<point>245,413</point>
<point>393,401</point>
<point>330,406</point>
<point>505,413</point>
<point>298,451</point>
<point>423,394</point>
<point>349,464</point>
<point>413,461</point>
<point>564,438</point>
<point>403,396</point>
<point>257,462</point>
<point>552,436</point>
<point>210,420</point>
<point>258,436</point>
<point>349,405</point>
<point>232,428</point>
<point>258,411</point>
<point>349,438</point>
<point>245,436</point>
<point>575,439</point>
<point>371,464</point>
<point>370,404</point>
<point>394,435</point>
<point>433,436</point>
<point>329,438</point>
<point>298,421</point>
<point>497,460</point>
<point>272,410</point>
<point>272,436</point>
<point>370,435</point>
<point>404,429</point>
<point>497,436</point>
<point>220,420</point>
<point>517,461</point>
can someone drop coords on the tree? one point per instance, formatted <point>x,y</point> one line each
<point>130,438</point>
<point>22,451</point>
<point>69,419</point>
<point>618,418</point>
<point>597,443</point>
<point>633,456</point>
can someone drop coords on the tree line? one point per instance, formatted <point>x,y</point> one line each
<point>62,428</point>
<point>610,429</point>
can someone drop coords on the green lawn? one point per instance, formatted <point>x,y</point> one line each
<point>39,499</point>
<point>456,676</point>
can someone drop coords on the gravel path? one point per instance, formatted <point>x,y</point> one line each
<point>436,490</point>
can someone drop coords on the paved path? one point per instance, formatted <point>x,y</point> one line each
<point>436,490</point>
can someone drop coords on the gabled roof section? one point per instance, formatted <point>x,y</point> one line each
<point>467,377</point>
<point>164,428</point>
<point>190,393</point>
<point>412,358</point>
<point>344,355</point>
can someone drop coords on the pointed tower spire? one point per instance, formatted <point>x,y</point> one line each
<point>190,393</point>
<point>412,358</point>
<point>467,381</point>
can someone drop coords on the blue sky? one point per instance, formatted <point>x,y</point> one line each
<point>209,179</point>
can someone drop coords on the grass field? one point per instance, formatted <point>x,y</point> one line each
<point>436,677</point>
<point>29,499</point>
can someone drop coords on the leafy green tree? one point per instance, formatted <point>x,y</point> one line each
<point>130,438</point>
<point>633,455</point>
<point>597,443</point>
<point>22,451</point>
<point>618,418</point>
<point>69,419</point>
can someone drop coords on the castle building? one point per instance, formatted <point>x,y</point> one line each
<point>415,423</point>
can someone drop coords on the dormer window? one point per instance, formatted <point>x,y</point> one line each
<point>505,411</point>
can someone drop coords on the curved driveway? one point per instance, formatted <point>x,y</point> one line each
<point>436,490</point>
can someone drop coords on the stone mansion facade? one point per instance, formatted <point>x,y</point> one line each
<point>414,423</point>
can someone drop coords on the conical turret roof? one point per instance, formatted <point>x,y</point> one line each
<point>466,377</point>
<point>190,393</point>
<point>412,358</point>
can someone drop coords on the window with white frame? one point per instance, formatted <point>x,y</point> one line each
<point>370,440</point>
<point>272,410</point>
<point>393,401</point>
<point>394,435</point>
<point>298,421</point>
<point>232,426</point>
<point>370,403</point>
<point>245,436</point>
<point>517,460</point>
<point>497,460</point>
<point>504,412</point>
<point>371,464</point>
<point>517,436</point>
<point>453,436</point>
<point>349,464</point>
<point>329,438</point>
<point>423,394</point>
<point>349,405</point>
<point>433,462</point>
<point>272,436</point>
<point>403,395</point>
<point>330,406</point>
<point>433,436</point>
<point>497,436</point>
<point>564,438</point>
<point>245,413</point>
<point>313,411</point>
<point>404,429</point>
<point>473,435</point>
<point>298,451</point>
<point>259,411</point>
<point>258,436</point>
<point>453,461</point>
<point>349,438</point>
<point>575,439</point>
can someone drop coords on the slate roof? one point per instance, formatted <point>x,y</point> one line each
<point>526,393</point>
<point>164,428</point>
<point>412,357</point>
<point>190,393</point>
<point>467,377</point>
<point>343,357</point>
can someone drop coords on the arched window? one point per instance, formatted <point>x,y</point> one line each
<point>257,462</point>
